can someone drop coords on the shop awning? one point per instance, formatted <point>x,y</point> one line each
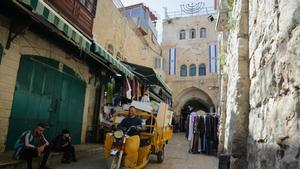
<point>148,74</point>
<point>99,50</point>
<point>42,9</point>
<point>156,98</point>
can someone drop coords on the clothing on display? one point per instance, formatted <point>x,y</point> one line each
<point>203,133</point>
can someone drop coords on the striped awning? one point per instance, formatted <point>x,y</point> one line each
<point>150,75</point>
<point>41,8</point>
<point>99,50</point>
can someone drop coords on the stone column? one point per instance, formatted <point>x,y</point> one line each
<point>223,100</point>
<point>240,51</point>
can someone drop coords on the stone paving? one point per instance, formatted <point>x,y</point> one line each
<point>177,157</point>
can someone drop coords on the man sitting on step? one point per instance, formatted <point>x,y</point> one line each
<point>62,143</point>
<point>32,144</point>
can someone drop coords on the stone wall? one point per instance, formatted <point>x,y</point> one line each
<point>263,59</point>
<point>274,134</point>
<point>111,27</point>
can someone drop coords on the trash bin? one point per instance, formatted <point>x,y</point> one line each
<point>224,161</point>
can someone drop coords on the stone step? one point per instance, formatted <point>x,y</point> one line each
<point>82,151</point>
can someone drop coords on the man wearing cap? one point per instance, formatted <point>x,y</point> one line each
<point>32,144</point>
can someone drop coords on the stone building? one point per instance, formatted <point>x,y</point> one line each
<point>190,50</point>
<point>52,64</point>
<point>128,36</point>
<point>260,79</point>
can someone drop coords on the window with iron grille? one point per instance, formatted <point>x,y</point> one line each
<point>90,5</point>
<point>182,35</point>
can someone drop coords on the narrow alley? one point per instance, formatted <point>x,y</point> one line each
<point>164,84</point>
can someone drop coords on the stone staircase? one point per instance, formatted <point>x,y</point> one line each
<point>82,151</point>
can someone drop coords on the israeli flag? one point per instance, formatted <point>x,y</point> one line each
<point>213,58</point>
<point>172,61</point>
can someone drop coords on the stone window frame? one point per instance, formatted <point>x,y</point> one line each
<point>183,70</point>
<point>192,33</point>
<point>118,56</point>
<point>193,70</point>
<point>203,32</point>
<point>110,49</point>
<point>202,69</point>
<point>182,34</point>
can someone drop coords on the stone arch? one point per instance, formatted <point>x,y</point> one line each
<point>193,97</point>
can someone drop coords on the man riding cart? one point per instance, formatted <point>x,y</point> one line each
<point>137,134</point>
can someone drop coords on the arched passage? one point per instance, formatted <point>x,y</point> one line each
<point>191,99</point>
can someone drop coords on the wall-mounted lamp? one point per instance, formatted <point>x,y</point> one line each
<point>210,18</point>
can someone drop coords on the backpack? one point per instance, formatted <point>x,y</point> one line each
<point>20,143</point>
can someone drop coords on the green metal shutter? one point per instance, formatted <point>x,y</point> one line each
<point>44,94</point>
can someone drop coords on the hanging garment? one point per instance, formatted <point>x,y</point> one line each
<point>185,125</point>
<point>133,85</point>
<point>201,128</point>
<point>139,92</point>
<point>191,125</point>
<point>128,92</point>
<point>196,135</point>
<point>191,130</point>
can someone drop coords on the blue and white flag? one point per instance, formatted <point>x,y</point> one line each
<point>213,58</point>
<point>172,61</point>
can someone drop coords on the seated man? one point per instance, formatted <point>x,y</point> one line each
<point>131,121</point>
<point>32,144</point>
<point>62,143</point>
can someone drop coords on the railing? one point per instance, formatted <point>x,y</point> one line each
<point>182,13</point>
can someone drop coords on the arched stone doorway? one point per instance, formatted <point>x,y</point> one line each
<point>190,99</point>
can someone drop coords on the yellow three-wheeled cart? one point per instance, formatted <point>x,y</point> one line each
<point>138,148</point>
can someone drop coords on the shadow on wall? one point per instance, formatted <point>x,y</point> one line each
<point>278,155</point>
<point>260,154</point>
<point>263,156</point>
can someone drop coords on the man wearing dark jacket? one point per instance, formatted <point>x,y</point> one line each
<point>62,143</point>
<point>131,121</point>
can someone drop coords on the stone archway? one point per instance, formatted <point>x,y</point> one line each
<point>192,97</point>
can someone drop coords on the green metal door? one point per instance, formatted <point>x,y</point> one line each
<point>45,94</point>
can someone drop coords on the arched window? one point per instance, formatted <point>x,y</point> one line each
<point>182,35</point>
<point>192,70</point>
<point>110,49</point>
<point>183,71</point>
<point>202,70</point>
<point>119,57</point>
<point>192,34</point>
<point>203,33</point>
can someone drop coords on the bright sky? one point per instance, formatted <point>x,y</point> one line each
<point>157,7</point>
